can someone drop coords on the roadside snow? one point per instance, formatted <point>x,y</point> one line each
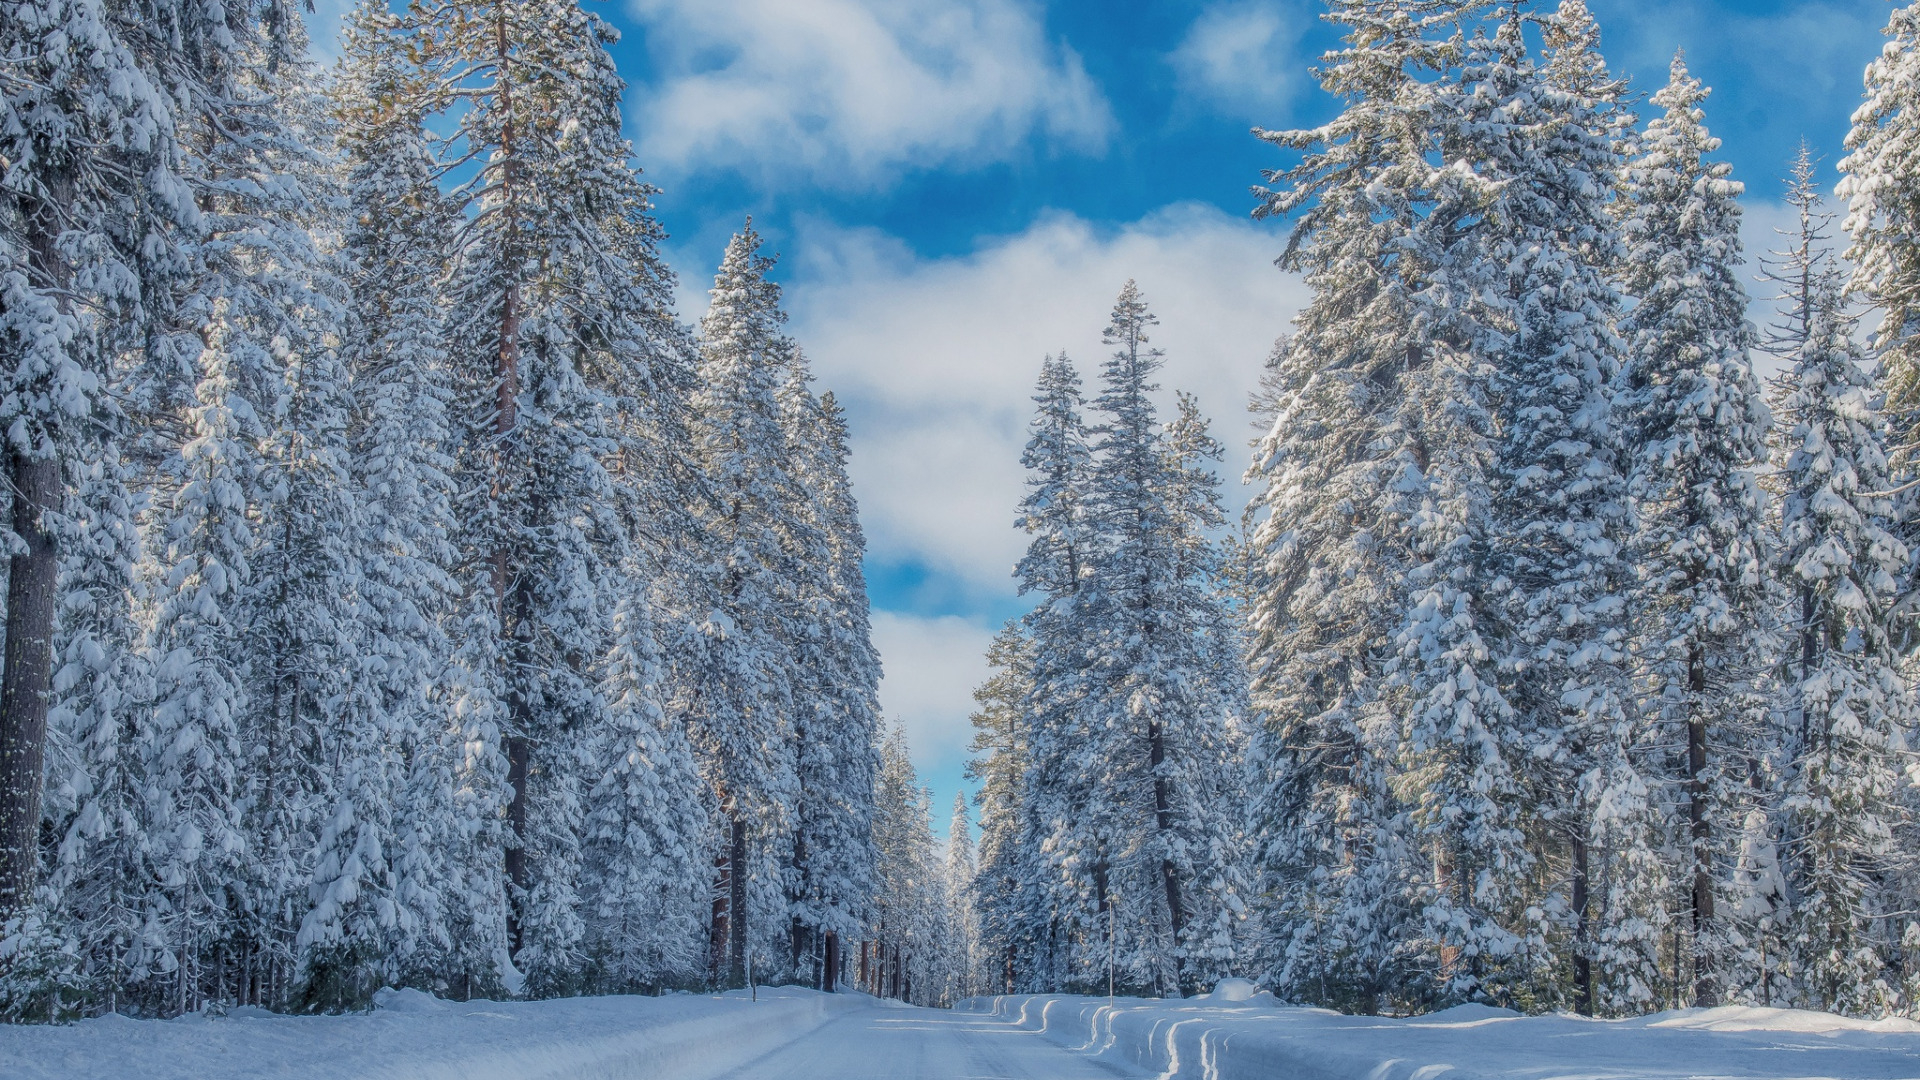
<point>1254,1039</point>
<point>413,1036</point>
<point>1236,1034</point>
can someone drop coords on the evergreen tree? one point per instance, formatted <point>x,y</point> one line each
<point>381,888</point>
<point>1149,742</point>
<point>1694,415</point>
<point>999,766</point>
<point>963,927</point>
<point>90,221</point>
<point>910,916</point>
<point>1845,697</point>
<point>557,294</point>
<point>743,718</point>
<point>1883,224</point>
<point>836,676</point>
<point>1056,562</point>
<point>646,826</point>
<point>1330,547</point>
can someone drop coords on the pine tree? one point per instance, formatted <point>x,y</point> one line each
<point>89,225</point>
<point>1883,223</point>
<point>1558,515</point>
<point>835,675</point>
<point>1058,558</point>
<point>999,765</point>
<point>1694,414</point>
<point>963,927</point>
<point>380,889</point>
<point>910,916</point>
<point>646,826</point>
<point>1329,541</point>
<point>1845,697</point>
<point>744,713</point>
<point>1147,743</point>
<point>556,300</point>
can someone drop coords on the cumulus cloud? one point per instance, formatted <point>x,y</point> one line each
<point>936,358</point>
<point>932,666</point>
<point>849,92</point>
<point>1241,56</point>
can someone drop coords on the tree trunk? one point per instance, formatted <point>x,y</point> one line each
<point>1705,993</point>
<point>519,757</point>
<point>26,681</point>
<point>830,971</point>
<point>1163,820</point>
<point>505,420</point>
<point>1582,932</point>
<point>737,901</point>
<point>718,933</point>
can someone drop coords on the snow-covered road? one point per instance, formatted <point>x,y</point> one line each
<point>888,1042</point>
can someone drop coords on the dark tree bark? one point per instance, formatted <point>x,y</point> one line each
<point>1705,992</point>
<point>1163,819</point>
<point>1582,931</point>
<point>26,682</point>
<point>519,757</point>
<point>26,678</point>
<point>737,901</point>
<point>831,970</point>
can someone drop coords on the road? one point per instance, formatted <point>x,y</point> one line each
<point>895,1043</point>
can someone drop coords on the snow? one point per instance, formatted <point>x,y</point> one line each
<point>1233,1034</point>
<point>1207,1040</point>
<point>413,1036</point>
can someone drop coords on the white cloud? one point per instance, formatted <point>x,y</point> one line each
<point>851,91</point>
<point>936,357</point>
<point>1241,56</point>
<point>932,667</point>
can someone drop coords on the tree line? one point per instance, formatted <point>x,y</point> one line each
<point>398,592</point>
<point>1561,663</point>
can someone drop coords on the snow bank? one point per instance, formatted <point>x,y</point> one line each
<point>412,1036</point>
<point>1209,1039</point>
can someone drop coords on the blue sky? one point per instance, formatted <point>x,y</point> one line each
<point>960,186</point>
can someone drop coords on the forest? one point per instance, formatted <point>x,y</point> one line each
<point>401,594</point>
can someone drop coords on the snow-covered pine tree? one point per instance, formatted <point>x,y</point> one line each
<point>1145,745</point>
<point>555,315</point>
<point>647,826</point>
<point>274,187</point>
<point>1878,183</point>
<point>1529,294</point>
<point>1587,786</point>
<point>999,767</point>
<point>963,924</point>
<point>908,959</point>
<point>382,871</point>
<point>89,222</point>
<point>91,225</point>
<point>1329,545</point>
<point>835,677</point>
<point>243,374</point>
<point>1845,700</point>
<point>1694,416</point>
<point>1057,559</point>
<point>743,714</point>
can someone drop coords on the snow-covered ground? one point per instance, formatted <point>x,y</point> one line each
<point>1259,1040</point>
<point>415,1037</point>
<point>795,1034</point>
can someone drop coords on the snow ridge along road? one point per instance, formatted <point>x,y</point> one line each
<point>1248,1037</point>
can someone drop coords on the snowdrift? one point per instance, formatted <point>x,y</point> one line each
<point>413,1036</point>
<point>1257,1039</point>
